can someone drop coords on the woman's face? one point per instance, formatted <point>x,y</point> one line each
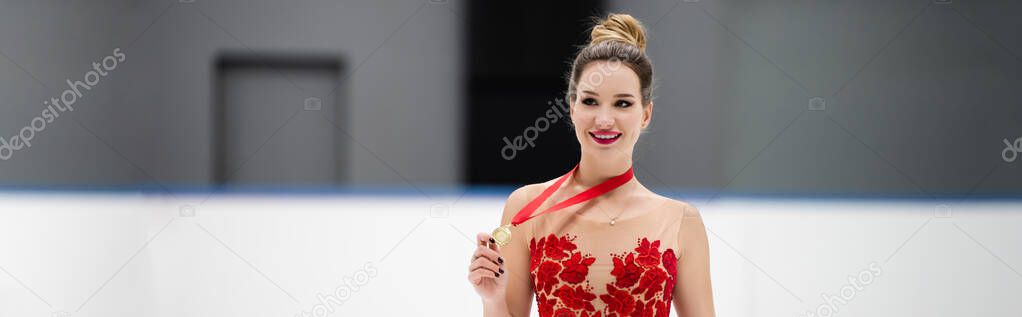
<point>607,111</point>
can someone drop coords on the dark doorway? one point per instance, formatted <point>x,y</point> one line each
<point>519,54</point>
<point>275,119</point>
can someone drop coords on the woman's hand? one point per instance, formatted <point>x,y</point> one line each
<point>486,271</point>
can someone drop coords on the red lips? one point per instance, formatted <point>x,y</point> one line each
<point>605,137</point>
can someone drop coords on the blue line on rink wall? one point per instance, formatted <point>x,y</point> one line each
<point>477,191</point>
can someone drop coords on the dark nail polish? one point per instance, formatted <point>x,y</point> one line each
<point>492,241</point>
<point>501,271</point>
<point>496,274</point>
<point>501,260</point>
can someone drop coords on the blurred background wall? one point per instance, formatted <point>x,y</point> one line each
<point>911,97</point>
<point>149,122</point>
<point>916,96</point>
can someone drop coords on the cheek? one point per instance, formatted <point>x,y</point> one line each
<point>633,119</point>
<point>580,117</point>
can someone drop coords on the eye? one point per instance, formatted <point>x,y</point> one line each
<point>623,104</point>
<point>589,101</point>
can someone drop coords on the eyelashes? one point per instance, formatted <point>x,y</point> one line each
<point>620,103</point>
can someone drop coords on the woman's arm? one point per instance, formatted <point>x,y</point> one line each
<point>519,288</point>
<point>693,293</point>
<point>515,299</point>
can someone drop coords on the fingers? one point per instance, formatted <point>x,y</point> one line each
<point>484,269</point>
<point>483,264</point>
<point>494,246</point>
<point>486,261</point>
<point>488,248</point>
<point>483,238</point>
<point>489,254</point>
<point>478,276</point>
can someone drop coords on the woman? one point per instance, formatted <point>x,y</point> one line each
<point>627,252</point>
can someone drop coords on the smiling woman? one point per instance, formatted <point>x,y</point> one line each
<point>599,243</point>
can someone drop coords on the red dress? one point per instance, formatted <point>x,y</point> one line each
<point>582,266</point>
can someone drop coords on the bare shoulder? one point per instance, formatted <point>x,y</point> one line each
<point>675,206</point>
<point>521,196</point>
<point>527,192</point>
<point>691,230</point>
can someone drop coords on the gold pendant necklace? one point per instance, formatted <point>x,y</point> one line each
<point>613,220</point>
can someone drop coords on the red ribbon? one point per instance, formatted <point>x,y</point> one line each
<point>608,185</point>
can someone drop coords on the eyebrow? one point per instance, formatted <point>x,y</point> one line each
<point>617,95</point>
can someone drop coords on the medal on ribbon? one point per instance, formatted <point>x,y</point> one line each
<point>502,235</point>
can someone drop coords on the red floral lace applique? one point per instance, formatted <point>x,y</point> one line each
<point>576,268</point>
<point>643,280</point>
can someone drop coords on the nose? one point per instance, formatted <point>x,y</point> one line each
<point>604,120</point>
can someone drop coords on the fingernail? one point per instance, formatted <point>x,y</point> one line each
<point>492,241</point>
<point>501,271</point>
<point>496,274</point>
<point>500,259</point>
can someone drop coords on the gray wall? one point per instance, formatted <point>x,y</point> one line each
<point>919,95</point>
<point>916,102</point>
<point>149,121</point>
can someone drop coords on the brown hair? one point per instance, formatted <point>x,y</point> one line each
<point>619,37</point>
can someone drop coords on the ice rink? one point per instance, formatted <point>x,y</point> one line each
<point>404,254</point>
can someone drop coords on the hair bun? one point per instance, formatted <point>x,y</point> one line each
<point>619,27</point>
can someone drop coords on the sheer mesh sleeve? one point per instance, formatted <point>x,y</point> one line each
<point>694,296</point>
<point>516,257</point>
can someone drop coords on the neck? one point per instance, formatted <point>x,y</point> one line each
<point>592,172</point>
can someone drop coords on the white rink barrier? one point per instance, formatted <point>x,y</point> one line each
<point>392,255</point>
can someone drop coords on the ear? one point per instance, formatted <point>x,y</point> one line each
<point>647,115</point>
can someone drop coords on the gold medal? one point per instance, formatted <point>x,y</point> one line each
<point>502,235</point>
